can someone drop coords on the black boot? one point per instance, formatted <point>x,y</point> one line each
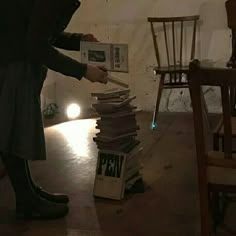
<point>28,204</point>
<point>56,197</point>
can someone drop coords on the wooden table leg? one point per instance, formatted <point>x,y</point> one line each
<point>233,100</point>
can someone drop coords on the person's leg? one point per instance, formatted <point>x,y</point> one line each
<point>28,204</point>
<point>56,197</point>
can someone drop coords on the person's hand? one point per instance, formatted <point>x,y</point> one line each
<point>96,74</point>
<point>88,38</point>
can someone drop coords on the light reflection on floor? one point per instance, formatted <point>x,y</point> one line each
<point>77,135</point>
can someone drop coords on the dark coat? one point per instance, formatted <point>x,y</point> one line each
<point>30,31</point>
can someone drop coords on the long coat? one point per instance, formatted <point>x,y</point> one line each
<point>30,32</point>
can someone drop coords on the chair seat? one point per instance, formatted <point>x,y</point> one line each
<point>221,175</point>
<point>171,69</point>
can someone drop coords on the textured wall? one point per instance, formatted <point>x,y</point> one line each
<point>124,21</point>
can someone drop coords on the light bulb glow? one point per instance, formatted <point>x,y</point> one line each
<point>73,111</point>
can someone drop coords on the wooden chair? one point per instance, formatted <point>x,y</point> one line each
<point>218,135</point>
<point>173,64</point>
<point>216,170</point>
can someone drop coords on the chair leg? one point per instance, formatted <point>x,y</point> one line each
<point>223,144</point>
<point>205,223</point>
<point>215,210</point>
<point>159,93</point>
<point>205,111</point>
<point>216,142</point>
<point>205,215</point>
<point>233,100</point>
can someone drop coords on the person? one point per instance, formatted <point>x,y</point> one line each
<point>31,31</point>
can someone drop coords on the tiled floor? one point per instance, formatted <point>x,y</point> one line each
<point>169,206</point>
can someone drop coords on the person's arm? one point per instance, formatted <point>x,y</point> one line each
<point>71,41</point>
<point>43,23</point>
<point>68,41</point>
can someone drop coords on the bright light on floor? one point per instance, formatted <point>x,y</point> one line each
<point>73,111</point>
<point>79,135</point>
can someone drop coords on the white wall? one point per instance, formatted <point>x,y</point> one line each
<point>124,21</point>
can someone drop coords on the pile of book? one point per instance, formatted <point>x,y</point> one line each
<point>118,166</point>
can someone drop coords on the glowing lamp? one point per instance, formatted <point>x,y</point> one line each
<point>73,111</point>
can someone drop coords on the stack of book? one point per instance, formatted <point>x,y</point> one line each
<point>118,166</point>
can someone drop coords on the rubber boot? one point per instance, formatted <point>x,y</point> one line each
<point>29,205</point>
<point>55,197</point>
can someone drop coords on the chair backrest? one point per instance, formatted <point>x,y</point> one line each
<point>173,30</point>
